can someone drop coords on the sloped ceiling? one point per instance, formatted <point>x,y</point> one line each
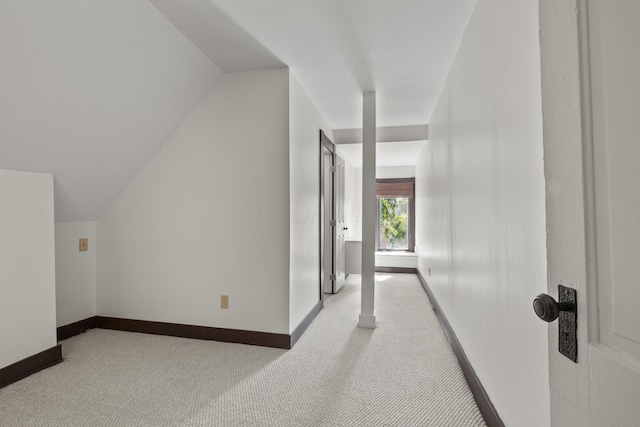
<point>90,89</point>
<point>219,37</point>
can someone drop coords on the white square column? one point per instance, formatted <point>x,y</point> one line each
<point>367,314</point>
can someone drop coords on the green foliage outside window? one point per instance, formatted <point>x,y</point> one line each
<point>394,222</point>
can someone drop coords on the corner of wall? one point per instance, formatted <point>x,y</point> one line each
<point>305,123</point>
<point>207,216</point>
<point>480,191</point>
<point>27,262</point>
<point>75,272</point>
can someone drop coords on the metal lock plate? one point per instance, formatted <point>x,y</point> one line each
<point>568,324</point>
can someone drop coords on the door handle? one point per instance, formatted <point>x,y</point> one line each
<point>547,309</point>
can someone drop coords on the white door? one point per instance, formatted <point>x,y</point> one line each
<point>327,218</point>
<point>332,247</point>
<point>339,264</point>
<point>591,106</point>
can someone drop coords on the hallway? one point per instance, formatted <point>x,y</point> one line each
<point>403,373</point>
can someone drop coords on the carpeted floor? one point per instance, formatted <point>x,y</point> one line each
<point>403,373</point>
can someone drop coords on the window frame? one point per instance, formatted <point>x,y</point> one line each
<point>411,210</point>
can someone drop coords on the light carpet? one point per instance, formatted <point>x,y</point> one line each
<point>403,373</point>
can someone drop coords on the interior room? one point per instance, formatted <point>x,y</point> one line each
<point>170,250</point>
<point>397,152</point>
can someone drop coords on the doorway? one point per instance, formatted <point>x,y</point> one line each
<point>332,224</point>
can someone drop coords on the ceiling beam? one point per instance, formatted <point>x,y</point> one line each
<point>384,134</point>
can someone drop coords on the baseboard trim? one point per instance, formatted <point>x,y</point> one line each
<point>488,411</point>
<point>265,339</point>
<point>30,365</point>
<point>238,336</point>
<point>297,333</point>
<point>76,328</point>
<point>403,270</point>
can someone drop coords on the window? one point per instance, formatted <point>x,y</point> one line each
<point>396,224</point>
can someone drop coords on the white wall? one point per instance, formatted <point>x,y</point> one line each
<point>27,265</point>
<point>385,172</point>
<point>352,198</point>
<point>208,215</point>
<point>90,90</point>
<point>480,190</point>
<point>305,122</point>
<point>75,272</point>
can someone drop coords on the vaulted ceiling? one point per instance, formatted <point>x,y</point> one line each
<point>90,89</point>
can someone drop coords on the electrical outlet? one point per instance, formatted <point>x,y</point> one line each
<point>224,301</point>
<point>84,244</point>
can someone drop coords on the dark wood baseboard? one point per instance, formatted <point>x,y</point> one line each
<point>30,365</point>
<point>297,333</point>
<point>404,270</point>
<point>76,328</point>
<point>488,411</point>
<point>265,339</point>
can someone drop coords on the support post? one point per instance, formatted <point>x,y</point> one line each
<point>367,314</point>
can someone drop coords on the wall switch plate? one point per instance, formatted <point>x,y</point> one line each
<point>84,244</point>
<point>224,301</point>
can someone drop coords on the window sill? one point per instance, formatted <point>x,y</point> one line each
<point>396,253</point>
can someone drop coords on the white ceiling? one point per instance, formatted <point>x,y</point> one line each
<point>225,43</point>
<point>337,49</point>
<point>396,146</point>
<point>90,89</point>
<point>387,153</point>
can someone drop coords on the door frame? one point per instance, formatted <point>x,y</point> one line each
<point>325,144</point>
<point>563,81</point>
